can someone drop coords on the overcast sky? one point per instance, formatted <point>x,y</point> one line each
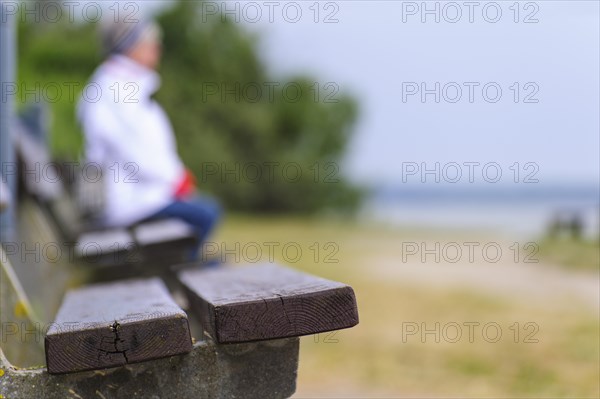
<point>373,53</point>
<point>383,53</point>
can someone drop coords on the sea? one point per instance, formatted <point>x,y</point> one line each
<point>524,212</point>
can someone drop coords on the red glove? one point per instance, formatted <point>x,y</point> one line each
<point>186,186</point>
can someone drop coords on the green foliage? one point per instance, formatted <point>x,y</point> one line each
<point>276,151</point>
<point>54,62</point>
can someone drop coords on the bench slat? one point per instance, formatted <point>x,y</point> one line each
<point>36,158</point>
<point>108,325</point>
<point>250,303</point>
<point>161,231</point>
<point>165,241</point>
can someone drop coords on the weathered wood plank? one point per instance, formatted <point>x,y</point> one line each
<point>161,231</point>
<point>165,241</point>
<point>46,186</point>
<point>250,303</point>
<point>111,247</point>
<point>107,325</point>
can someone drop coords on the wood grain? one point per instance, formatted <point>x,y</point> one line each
<point>107,325</point>
<point>250,303</point>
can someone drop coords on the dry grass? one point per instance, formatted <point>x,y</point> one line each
<point>375,360</point>
<point>576,254</point>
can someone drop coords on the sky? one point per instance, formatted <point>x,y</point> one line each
<point>517,83</point>
<point>382,52</point>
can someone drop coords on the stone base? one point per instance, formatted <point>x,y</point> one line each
<point>265,369</point>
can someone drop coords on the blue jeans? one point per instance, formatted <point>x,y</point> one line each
<point>201,213</point>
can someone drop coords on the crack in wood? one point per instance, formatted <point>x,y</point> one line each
<point>115,329</point>
<point>285,313</point>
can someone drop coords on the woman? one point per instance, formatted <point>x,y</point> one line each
<point>130,137</point>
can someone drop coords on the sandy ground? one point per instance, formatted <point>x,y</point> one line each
<point>517,280</point>
<point>534,282</point>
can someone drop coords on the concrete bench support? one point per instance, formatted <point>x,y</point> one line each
<point>252,370</point>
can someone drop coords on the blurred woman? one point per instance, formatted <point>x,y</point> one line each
<point>129,136</point>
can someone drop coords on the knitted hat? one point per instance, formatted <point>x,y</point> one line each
<point>119,36</point>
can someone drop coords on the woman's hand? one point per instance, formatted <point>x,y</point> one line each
<point>186,186</point>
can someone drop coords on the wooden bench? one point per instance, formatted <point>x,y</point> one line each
<point>566,223</point>
<point>130,339</point>
<point>158,242</point>
<point>261,370</point>
<point>107,325</point>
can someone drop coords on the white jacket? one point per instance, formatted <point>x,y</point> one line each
<point>128,135</point>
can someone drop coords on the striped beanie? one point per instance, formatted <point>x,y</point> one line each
<point>119,36</point>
